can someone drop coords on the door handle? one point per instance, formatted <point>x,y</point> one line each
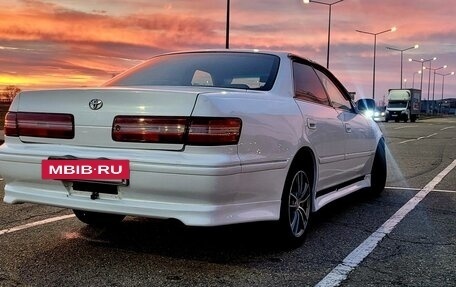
<point>311,124</point>
<point>348,128</point>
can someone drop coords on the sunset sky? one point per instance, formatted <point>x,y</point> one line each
<point>72,43</point>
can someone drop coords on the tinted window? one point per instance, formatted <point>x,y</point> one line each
<point>337,98</point>
<point>307,85</point>
<point>229,70</point>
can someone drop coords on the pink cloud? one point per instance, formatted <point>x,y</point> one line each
<point>104,37</point>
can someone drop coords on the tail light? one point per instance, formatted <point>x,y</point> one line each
<point>11,125</point>
<point>149,129</point>
<point>177,130</point>
<point>214,131</point>
<point>45,125</point>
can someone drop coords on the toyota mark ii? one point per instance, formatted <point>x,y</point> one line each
<point>209,138</point>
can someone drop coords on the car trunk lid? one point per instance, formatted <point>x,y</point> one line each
<point>94,111</point>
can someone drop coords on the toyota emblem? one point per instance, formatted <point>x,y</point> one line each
<point>95,104</point>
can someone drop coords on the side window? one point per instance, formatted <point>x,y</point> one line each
<point>335,95</point>
<point>307,85</point>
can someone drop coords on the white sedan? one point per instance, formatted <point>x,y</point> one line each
<point>205,137</point>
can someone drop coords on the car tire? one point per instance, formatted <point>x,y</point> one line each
<point>379,170</point>
<point>296,207</point>
<point>98,219</point>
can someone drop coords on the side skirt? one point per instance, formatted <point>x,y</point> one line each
<point>328,195</point>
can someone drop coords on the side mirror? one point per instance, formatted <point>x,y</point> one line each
<point>365,104</point>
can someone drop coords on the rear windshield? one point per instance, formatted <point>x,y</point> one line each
<point>252,71</point>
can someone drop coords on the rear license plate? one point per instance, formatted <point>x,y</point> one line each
<point>95,187</point>
<point>106,170</point>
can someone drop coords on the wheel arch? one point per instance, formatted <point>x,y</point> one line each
<point>294,230</point>
<point>305,157</point>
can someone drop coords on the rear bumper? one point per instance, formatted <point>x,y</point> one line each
<point>197,189</point>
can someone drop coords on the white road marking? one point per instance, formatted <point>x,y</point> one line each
<point>403,127</point>
<point>402,188</point>
<point>444,190</point>
<point>341,271</point>
<point>452,127</point>
<point>416,189</point>
<point>406,141</point>
<point>36,223</point>
<point>417,139</point>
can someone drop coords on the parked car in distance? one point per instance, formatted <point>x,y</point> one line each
<point>209,137</point>
<point>379,114</point>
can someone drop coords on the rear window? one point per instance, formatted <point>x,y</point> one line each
<point>251,71</point>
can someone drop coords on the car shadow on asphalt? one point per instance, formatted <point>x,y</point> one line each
<point>223,244</point>
<point>172,239</point>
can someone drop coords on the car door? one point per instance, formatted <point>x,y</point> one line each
<point>359,135</point>
<point>323,127</point>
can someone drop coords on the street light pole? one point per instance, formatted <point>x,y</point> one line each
<point>443,84</point>
<point>433,84</point>
<point>227,35</point>
<point>375,52</point>
<point>329,23</point>
<point>402,55</point>
<point>422,61</point>
<point>413,82</point>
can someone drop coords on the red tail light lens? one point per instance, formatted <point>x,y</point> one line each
<point>177,130</point>
<point>149,129</point>
<point>11,125</point>
<point>45,125</point>
<point>214,131</point>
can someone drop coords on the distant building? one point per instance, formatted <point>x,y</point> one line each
<point>445,106</point>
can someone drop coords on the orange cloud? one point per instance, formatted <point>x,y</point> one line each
<point>55,42</point>
<point>50,23</point>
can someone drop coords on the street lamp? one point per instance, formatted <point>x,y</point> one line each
<point>375,52</point>
<point>329,23</point>
<point>433,84</point>
<point>405,83</point>
<point>402,54</point>
<point>413,82</point>
<point>443,84</point>
<point>422,61</point>
<point>227,35</point>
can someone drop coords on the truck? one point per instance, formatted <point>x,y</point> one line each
<point>403,105</point>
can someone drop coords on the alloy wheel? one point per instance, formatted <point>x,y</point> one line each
<point>299,204</point>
